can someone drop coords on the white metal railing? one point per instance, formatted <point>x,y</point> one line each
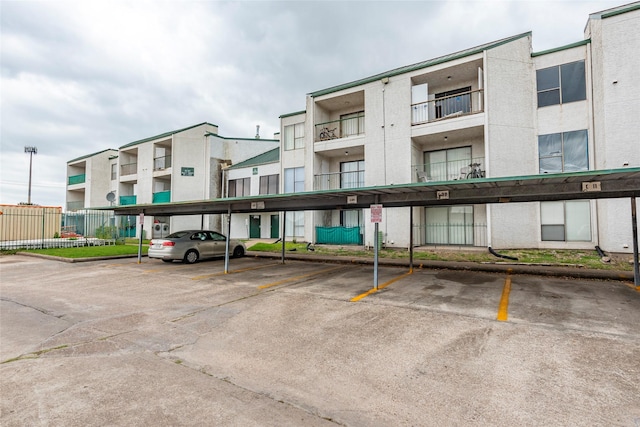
<point>447,107</point>
<point>341,128</point>
<point>128,169</point>
<point>450,234</point>
<point>449,171</point>
<point>334,181</point>
<point>160,163</point>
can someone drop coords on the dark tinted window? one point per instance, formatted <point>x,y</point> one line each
<point>561,84</point>
<point>573,83</point>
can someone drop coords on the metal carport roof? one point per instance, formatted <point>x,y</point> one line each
<point>602,184</point>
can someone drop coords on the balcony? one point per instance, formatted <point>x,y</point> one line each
<point>450,171</point>
<point>341,128</point>
<point>162,197</point>
<point>128,200</point>
<point>74,206</point>
<point>337,180</point>
<point>128,169</point>
<point>77,179</point>
<point>160,163</point>
<point>447,107</point>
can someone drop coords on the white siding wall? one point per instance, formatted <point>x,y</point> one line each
<point>615,43</point>
<point>240,222</point>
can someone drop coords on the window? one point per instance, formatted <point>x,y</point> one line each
<point>295,224</point>
<point>352,174</point>
<point>563,152</point>
<point>269,184</point>
<point>566,221</point>
<point>457,101</point>
<point>351,124</point>
<point>114,171</point>
<point>351,218</point>
<point>294,136</point>
<point>446,165</point>
<point>294,180</point>
<point>449,225</point>
<point>239,187</point>
<point>561,84</point>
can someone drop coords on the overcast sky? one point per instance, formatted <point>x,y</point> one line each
<point>79,77</point>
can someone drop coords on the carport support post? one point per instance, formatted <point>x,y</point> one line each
<point>284,231</point>
<point>375,256</point>
<point>141,237</point>
<point>226,244</point>
<point>634,221</point>
<point>411,239</point>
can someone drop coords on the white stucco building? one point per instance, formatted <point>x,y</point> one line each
<point>259,175</point>
<point>89,179</point>
<point>180,165</point>
<point>494,110</point>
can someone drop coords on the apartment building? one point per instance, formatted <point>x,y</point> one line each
<point>495,110</point>
<point>89,179</point>
<point>179,165</point>
<point>259,175</point>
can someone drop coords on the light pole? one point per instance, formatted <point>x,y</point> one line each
<point>31,151</point>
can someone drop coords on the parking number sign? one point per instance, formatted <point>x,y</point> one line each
<point>376,213</point>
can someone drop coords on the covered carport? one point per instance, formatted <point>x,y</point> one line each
<point>589,185</point>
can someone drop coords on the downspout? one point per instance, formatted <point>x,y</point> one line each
<point>593,129</point>
<point>486,142</point>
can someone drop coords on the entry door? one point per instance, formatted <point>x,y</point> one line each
<point>275,226</point>
<point>254,227</point>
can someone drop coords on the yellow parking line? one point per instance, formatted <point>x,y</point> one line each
<point>504,300</point>
<point>384,285</point>
<point>280,282</point>
<point>222,273</point>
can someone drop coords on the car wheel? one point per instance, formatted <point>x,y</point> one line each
<point>167,260</point>
<point>238,252</point>
<point>191,256</point>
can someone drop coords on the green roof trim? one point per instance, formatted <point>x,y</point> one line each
<point>421,65</point>
<point>623,9</point>
<point>293,114</point>
<point>93,154</point>
<point>271,156</point>
<point>240,139</point>
<point>558,49</point>
<point>164,135</point>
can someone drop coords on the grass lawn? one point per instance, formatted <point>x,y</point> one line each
<point>90,251</point>
<point>573,258</point>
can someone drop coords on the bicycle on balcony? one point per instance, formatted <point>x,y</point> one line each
<point>475,171</point>
<point>327,133</point>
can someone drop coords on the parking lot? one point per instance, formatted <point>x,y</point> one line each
<point>115,342</point>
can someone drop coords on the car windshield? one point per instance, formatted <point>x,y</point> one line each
<point>177,235</point>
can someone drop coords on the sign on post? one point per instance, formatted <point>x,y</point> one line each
<point>141,219</point>
<point>376,213</point>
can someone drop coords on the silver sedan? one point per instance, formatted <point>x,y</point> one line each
<point>192,245</point>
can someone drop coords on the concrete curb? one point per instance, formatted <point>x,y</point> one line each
<point>498,267</point>
<point>74,260</point>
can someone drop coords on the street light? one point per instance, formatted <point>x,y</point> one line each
<point>31,151</point>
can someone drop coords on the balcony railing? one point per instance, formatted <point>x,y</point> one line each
<point>447,107</point>
<point>74,206</point>
<point>128,169</point>
<point>128,200</point>
<point>340,128</point>
<point>451,234</point>
<point>450,171</point>
<point>77,179</point>
<point>162,197</point>
<point>333,181</point>
<point>160,163</point>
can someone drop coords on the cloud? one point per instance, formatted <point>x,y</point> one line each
<point>79,77</point>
